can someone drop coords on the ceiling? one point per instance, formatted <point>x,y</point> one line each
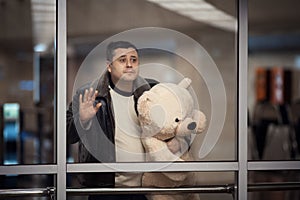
<point>268,16</point>
<point>276,17</point>
<point>15,23</point>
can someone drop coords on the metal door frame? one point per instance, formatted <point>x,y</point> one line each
<point>240,167</point>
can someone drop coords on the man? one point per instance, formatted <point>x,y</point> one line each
<point>103,119</point>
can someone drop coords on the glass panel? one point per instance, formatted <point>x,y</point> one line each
<point>201,178</point>
<point>276,195</point>
<point>279,185</point>
<point>27,187</point>
<point>29,198</point>
<point>215,184</point>
<point>27,81</point>
<point>202,196</point>
<point>217,196</point>
<point>180,44</point>
<point>12,181</point>
<point>273,97</point>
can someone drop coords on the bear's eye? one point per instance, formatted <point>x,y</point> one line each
<point>177,120</point>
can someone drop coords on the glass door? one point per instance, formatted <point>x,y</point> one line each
<point>51,51</point>
<point>27,75</point>
<point>195,40</point>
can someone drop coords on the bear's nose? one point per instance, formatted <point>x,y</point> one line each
<point>192,125</point>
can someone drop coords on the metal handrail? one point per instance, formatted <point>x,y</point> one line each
<point>50,191</point>
<point>167,190</point>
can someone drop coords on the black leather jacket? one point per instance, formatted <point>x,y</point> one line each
<point>96,144</point>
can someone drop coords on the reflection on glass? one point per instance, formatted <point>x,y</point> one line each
<point>11,133</point>
<point>218,40</point>
<point>201,196</point>
<point>27,81</point>
<point>218,184</point>
<point>274,123</point>
<point>27,187</point>
<point>273,97</point>
<point>282,179</point>
<point>26,181</point>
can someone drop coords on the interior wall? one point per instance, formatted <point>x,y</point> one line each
<point>15,68</point>
<point>285,59</point>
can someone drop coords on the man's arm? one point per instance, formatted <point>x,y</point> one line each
<point>72,120</point>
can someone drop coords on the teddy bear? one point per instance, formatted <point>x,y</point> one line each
<point>167,111</point>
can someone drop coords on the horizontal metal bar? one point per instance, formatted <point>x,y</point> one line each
<point>200,189</point>
<point>274,165</point>
<point>148,167</point>
<point>27,192</point>
<point>273,186</point>
<point>230,188</point>
<point>197,189</point>
<point>28,169</point>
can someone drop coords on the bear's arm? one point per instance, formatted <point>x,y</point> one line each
<point>157,150</point>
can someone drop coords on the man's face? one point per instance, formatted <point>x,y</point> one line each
<point>125,65</point>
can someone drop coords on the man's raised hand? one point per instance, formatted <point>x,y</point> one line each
<point>87,109</point>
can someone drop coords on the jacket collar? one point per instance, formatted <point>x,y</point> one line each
<point>102,84</point>
<point>139,85</point>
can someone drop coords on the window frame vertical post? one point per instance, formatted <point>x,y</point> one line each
<point>61,72</point>
<point>242,99</point>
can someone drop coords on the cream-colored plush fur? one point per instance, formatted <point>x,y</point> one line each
<point>167,111</point>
